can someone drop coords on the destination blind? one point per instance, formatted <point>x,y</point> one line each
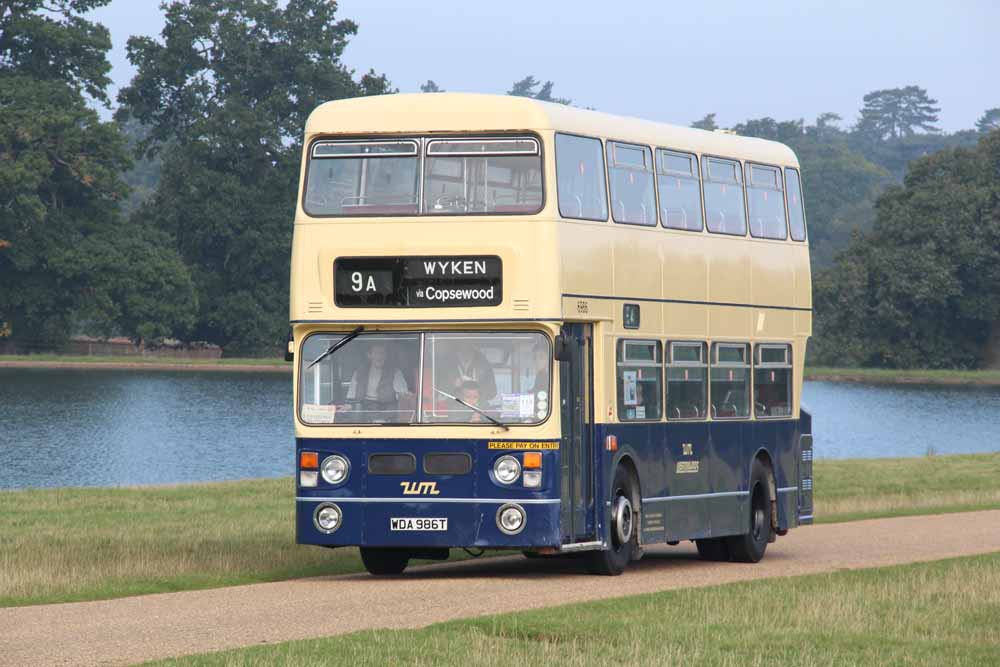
<point>418,282</point>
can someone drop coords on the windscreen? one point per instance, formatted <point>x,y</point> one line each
<point>439,378</point>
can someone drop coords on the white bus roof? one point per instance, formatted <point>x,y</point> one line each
<point>422,113</point>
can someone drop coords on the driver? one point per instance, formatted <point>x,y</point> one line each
<point>377,386</point>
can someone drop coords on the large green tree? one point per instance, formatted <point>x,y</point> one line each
<point>225,93</point>
<point>706,123</point>
<point>923,287</point>
<point>894,113</point>
<point>529,87</point>
<point>989,121</point>
<point>61,235</point>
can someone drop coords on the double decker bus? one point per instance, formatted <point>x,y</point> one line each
<point>520,325</point>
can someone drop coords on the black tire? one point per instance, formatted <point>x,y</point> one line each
<point>381,561</point>
<point>615,559</point>
<point>750,547</point>
<point>716,549</point>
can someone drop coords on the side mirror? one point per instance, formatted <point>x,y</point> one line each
<point>561,348</point>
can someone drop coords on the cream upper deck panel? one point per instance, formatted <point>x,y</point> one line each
<point>543,261</point>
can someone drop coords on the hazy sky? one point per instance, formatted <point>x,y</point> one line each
<point>670,61</point>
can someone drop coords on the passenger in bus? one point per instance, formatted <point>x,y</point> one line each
<point>469,365</point>
<point>540,382</point>
<point>377,386</point>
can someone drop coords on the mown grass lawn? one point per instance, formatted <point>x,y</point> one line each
<point>935,614</point>
<point>59,545</point>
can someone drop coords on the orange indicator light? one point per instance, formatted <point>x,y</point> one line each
<point>532,460</point>
<point>308,460</point>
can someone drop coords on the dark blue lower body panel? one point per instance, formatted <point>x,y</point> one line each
<point>470,501</point>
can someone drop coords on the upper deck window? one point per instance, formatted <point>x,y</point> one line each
<point>724,208</point>
<point>680,190</point>
<point>796,215</point>
<point>350,178</point>
<point>463,176</point>
<point>767,202</point>
<point>630,170</point>
<point>583,192</point>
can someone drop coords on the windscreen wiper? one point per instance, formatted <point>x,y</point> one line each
<point>472,407</point>
<point>336,346</point>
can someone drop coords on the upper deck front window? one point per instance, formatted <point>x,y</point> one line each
<point>464,176</point>
<point>349,178</point>
<point>405,177</point>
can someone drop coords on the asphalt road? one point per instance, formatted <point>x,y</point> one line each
<point>141,628</point>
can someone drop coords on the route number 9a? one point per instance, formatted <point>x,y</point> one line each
<point>362,283</point>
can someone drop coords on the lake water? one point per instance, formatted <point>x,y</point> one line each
<point>109,428</point>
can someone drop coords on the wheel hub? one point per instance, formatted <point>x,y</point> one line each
<point>621,519</point>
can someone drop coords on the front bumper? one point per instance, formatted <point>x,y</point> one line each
<point>472,522</point>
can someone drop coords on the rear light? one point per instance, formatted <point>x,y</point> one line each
<point>611,443</point>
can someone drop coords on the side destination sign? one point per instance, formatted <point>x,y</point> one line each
<point>510,444</point>
<point>418,282</point>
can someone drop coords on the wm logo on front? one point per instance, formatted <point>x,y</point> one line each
<point>420,488</point>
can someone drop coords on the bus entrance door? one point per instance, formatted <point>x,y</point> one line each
<point>577,459</point>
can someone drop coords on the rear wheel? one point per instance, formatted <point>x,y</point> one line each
<point>624,528</point>
<point>713,549</point>
<point>750,547</point>
<point>383,561</point>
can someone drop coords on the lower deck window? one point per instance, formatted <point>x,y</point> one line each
<point>639,380</point>
<point>687,381</point>
<point>730,381</point>
<point>772,381</point>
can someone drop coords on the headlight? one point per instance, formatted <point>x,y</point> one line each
<point>335,469</point>
<point>507,469</point>
<point>510,519</point>
<point>327,518</point>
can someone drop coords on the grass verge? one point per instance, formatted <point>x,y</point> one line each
<point>938,613</point>
<point>61,545</point>
<point>893,376</point>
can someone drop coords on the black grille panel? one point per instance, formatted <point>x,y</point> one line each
<point>806,479</point>
<point>392,464</point>
<point>448,463</point>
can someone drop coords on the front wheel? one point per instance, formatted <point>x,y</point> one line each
<point>750,547</point>
<point>384,561</point>
<point>624,529</point>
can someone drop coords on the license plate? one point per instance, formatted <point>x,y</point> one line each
<point>404,523</point>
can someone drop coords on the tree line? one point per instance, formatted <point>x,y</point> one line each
<point>173,220</point>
